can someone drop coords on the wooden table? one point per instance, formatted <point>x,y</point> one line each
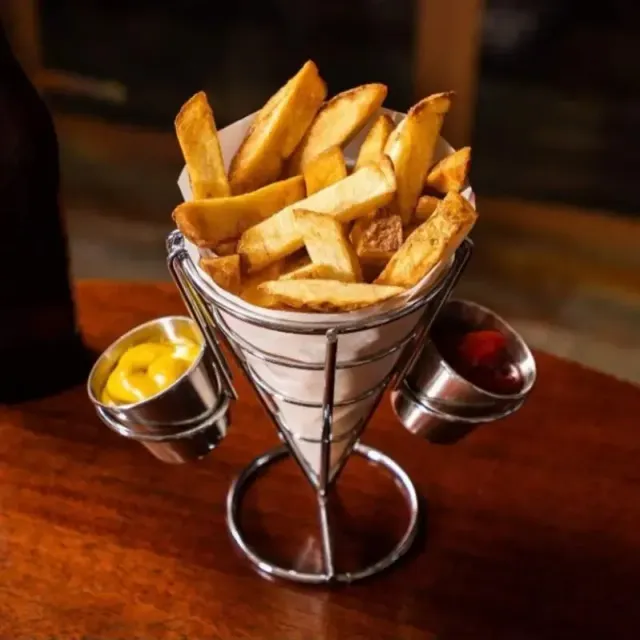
<point>532,527</point>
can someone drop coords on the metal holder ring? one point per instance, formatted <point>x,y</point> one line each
<point>329,574</point>
<point>205,305</point>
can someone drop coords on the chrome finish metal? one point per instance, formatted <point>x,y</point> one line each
<point>329,574</point>
<point>437,403</point>
<point>184,421</point>
<point>434,379</point>
<point>176,261</point>
<point>193,443</point>
<point>421,418</point>
<point>208,305</point>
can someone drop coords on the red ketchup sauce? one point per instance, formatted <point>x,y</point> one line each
<point>478,355</point>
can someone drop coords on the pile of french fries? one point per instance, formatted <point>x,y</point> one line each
<point>291,226</point>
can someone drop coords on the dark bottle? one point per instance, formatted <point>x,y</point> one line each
<point>41,351</point>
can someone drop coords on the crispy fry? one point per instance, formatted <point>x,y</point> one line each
<point>380,239</point>
<point>327,295</point>
<point>226,248</point>
<point>433,241</point>
<point>359,225</point>
<point>327,244</point>
<point>323,240</point>
<point>337,122</point>
<point>450,174</point>
<point>277,130</point>
<point>198,139</point>
<point>223,271</point>
<point>325,169</point>
<point>251,292</point>
<point>372,148</point>
<point>355,196</point>
<point>425,207</point>
<point>317,272</point>
<point>209,222</point>
<point>411,146</point>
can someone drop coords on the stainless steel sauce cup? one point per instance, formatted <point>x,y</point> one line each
<point>183,422</point>
<point>436,402</point>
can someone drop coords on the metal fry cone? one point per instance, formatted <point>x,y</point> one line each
<point>294,376</point>
<point>285,359</point>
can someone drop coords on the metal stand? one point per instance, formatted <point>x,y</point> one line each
<point>207,307</point>
<point>329,574</point>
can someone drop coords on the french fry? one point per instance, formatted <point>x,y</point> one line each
<point>323,240</point>
<point>450,174</point>
<point>277,130</point>
<point>198,138</point>
<point>425,207</point>
<point>380,239</point>
<point>337,122</point>
<point>316,272</point>
<point>207,223</point>
<point>325,169</point>
<point>372,148</point>
<point>278,236</point>
<point>251,292</point>
<point>226,248</point>
<point>326,243</point>
<point>362,223</point>
<point>224,271</point>
<point>432,242</point>
<point>327,295</point>
<point>411,146</point>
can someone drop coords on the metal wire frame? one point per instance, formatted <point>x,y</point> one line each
<point>205,304</point>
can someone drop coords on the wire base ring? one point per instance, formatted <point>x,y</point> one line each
<point>259,464</point>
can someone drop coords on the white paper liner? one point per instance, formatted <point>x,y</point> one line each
<point>308,385</point>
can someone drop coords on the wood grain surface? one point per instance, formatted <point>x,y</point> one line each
<point>532,525</point>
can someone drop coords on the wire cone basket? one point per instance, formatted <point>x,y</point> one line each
<point>320,380</point>
<point>319,377</point>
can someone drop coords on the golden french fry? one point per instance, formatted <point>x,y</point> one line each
<point>337,122</point>
<point>277,130</point>
<point>362,223</point>
<point>325,169</point>
<point>432,242</point>
<point>425,207</point>
<point>278,236</point>
<point>326,243</point>
<point>317,272</point>
<point>327,295</point>
<point>411,146</point>
<point>224,271</point>
<point>251,292</point>
<point>450,174</point>
<point>226,248</point>
<point>372,149</point>
<point>380,239</point>
<point>207,223</point>
<point>198,139</point>
<point>359,225</point>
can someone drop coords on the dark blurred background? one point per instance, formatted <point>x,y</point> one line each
<point>548,95</point>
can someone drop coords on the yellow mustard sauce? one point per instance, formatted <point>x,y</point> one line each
<point>148,368</point>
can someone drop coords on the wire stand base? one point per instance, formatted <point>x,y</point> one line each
<point>259,464</point>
